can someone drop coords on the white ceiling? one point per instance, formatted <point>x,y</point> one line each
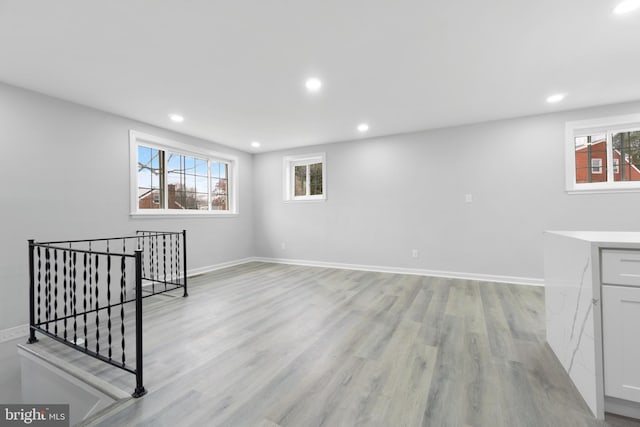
<point>235,69</point>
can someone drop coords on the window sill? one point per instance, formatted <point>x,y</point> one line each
<point>161,215</point>
<point>603,190</point>
<point>305,200</point>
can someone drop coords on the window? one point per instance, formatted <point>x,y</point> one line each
<point>603,155</point>
<point>305,177</point>
<point>168,177</point>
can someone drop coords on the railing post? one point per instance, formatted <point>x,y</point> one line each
<point>140,390</point>
<point>32,308</point>
<point>184,260</point>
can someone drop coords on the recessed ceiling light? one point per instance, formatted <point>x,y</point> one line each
<point>555,98</point>
<point>626,7</point>
<point>255,144</point>
<point>363,127</point>
<point>176,118</point>
<point>313,84</point>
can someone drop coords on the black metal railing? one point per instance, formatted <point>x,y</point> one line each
<point>87,294</point>
<point>164,260</point>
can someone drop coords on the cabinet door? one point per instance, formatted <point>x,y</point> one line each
<point>621,341</point>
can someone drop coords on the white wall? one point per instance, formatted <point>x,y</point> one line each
<point>65,175</point>
<point>387,196</point>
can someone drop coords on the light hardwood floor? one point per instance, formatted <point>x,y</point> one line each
<point>277,346</point>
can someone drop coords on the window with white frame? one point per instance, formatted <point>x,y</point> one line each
<point>169,177</point>
<point>603,155</point>
<point>305,177</point>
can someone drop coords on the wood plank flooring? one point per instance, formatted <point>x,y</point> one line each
<point>278,346</point>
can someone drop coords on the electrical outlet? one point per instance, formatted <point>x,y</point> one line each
<point>468,198</point>
<point>283,246</point>
<point>414,253</point>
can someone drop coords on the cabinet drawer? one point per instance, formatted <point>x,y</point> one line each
<point>621,267</point>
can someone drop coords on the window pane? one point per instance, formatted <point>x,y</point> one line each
<point>202,201</point>
<point>591,158</point>
<point>177,197</point>
<point>201,184</point>
<point>144,178</point>
<point>218,170</point>
<point>174,178</point>
<point>186,176</point>
<point>150,176</point>
<point>222,187</point>
<point>173,162</point>
<point>219,195</point>
<point>201,167</point>
<point>189,164</point>
<point>300,180</point>
<point>156,197</point>
<point>144,155</point>
<point>155,159</point>
<point>220,203</point>
<point>192,200</point>
<point>189,200</point>
<point>155,177</point>
<point>219,186</point>
<point>626,156</point>
<point>148,198</point>
<point>315,178</point>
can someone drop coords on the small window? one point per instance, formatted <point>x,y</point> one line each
<point>304,177</point>
<point>173,178</point>
<point>604,154</point>
<point>596,166</point>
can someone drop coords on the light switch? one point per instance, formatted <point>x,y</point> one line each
<point>468,198</point>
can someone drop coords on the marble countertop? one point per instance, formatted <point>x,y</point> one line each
<point>608,237</point>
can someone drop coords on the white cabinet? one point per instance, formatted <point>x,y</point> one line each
<point>592,307</point>
<point>621,341</point>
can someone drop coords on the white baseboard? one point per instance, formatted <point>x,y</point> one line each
<point>20,331</point>
<point>214,267</point>
<point>414,271</point>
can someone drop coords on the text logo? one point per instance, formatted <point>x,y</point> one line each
<point>35,415</point>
